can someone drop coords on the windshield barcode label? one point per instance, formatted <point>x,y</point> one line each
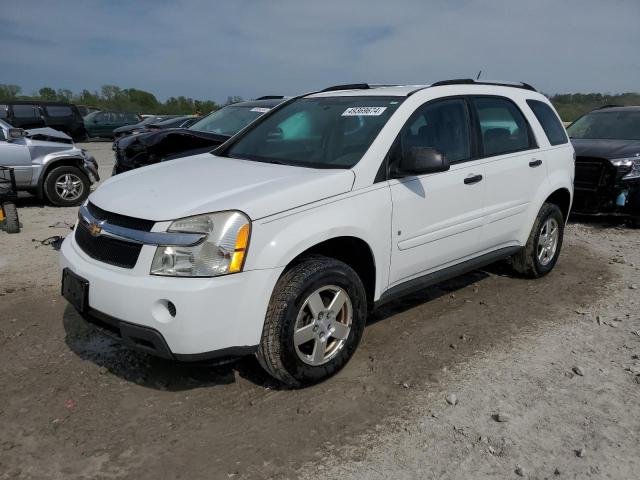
<point>363,111</point>
<point>260,109</point>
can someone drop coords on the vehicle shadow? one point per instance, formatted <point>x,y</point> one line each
<point>159,374</point>
<point>152,372</point>
<point>603,222</point>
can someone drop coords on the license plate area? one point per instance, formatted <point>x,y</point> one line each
<point>76,290</point>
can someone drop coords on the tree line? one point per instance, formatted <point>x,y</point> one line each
<point>114,98</point>
<point>111,97</point>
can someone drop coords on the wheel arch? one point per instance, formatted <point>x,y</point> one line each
<point>353,251</point>
<point>57,162</point>
<point>562,198</point>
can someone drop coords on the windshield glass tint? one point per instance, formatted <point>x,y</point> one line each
<point>603,125</point>
<point>228,120</point>
<point>317,132</point>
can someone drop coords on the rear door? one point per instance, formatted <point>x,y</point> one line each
<point>26,116</point>
<point>515,168</point>
<point>437,218</point>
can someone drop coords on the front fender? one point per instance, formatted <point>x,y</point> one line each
<point>364,214</point>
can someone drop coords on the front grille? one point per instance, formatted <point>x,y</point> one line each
<point>120,220</point>
<point>593,174</point>
<point>108,250</point>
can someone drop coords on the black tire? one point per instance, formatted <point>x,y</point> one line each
<point>11,220</point>
<point>526,262</point>
<point>277,353</point>
<point>57,173</point>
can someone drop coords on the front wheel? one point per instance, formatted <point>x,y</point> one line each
<point>67,186</point>
<point>314,322</point>
<point>542,250</point>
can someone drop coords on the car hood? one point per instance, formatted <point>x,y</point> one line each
<point>152,147</point>
<point>48,134</point>
<point>609,149</point>
<point>205,183</point>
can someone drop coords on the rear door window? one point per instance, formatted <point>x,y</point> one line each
<point>503,127</point>
<point>59,111</point>
<point>3,111</point>
<point>549,121</point>
<point>26,111</point>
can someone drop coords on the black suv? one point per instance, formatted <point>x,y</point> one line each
<point>607,145</point>
<point>60,116</point>
<point>207,133</point>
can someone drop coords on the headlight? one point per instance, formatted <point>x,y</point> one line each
<point>223,251</point>
<point>633,162</point>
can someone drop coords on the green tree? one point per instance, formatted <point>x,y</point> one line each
<point>48,94</point>
<point>9,92</point>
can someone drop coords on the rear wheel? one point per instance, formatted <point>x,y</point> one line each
<point>66,186</point>
<point>11,220</point>
<point>314,322</point>
<point>543,246</point>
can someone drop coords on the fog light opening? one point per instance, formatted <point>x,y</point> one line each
<point>172,309</point>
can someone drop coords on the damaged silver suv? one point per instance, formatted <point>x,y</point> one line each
<point>48,164</point>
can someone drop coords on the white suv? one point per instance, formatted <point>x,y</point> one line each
<point>282,240</point>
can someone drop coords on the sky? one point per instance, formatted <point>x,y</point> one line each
<point>214,49</point>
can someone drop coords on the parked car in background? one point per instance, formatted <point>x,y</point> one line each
<point>103,124</point>
<point>139,127</point>
<point>206,133</point>
<point>178,122</point>
<point>35,114</point>
<point>281,242</point>
<point>607,144</point>
<point>47,163</point>
<point>86,110</point>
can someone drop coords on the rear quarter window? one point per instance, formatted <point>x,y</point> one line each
<point>549,121</point>
<point>59,111</point>
<point>3,111</point>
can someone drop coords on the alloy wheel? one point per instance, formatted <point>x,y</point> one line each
<point>323,325</point>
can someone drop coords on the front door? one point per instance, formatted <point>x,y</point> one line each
<point>15,154</point>
<point>437,218</point>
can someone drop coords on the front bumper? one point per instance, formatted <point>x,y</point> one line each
<point>91,168</point>
<point>220,316</point>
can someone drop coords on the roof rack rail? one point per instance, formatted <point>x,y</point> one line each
<point>471,81</point>
<point>270,97</point>
<point>348,86</point>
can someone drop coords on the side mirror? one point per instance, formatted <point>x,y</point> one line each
<point>423,160</point>
<point>16,133</point>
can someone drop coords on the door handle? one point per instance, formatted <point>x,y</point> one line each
<point>472,179</point>
<point>535,163</point>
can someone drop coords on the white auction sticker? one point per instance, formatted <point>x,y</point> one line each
<point>260,109</point>
<point>363,111</point>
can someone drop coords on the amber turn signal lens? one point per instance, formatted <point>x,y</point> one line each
<point>241,248</point>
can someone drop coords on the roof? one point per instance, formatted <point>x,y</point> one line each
<point>36,102</point>
<point>373,90</point>
<point>267,103</point>
<point>617,108</point>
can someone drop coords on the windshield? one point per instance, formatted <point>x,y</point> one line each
<point>603,125</point>
<point>332,132</point>
<point>228,120</point>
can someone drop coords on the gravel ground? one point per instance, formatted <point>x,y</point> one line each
<point>484,376</point>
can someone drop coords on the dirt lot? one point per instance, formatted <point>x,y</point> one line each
<point>546,375</point>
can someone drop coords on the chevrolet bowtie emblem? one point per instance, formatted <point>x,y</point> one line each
<point>95,228</point>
